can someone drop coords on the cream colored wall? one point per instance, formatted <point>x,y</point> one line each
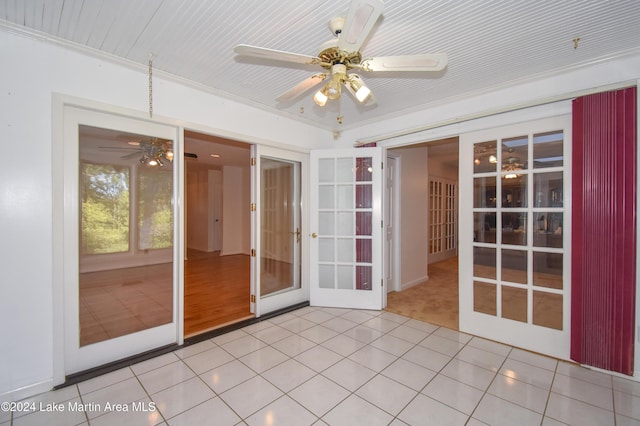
<point>413,218</point>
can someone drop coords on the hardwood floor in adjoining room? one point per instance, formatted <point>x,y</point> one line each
<point>435,300</point>
<point>216,290</point>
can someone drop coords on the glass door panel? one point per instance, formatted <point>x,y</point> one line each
<point>280,226</point>
<point>120,291</point>
<point>279,230</point>
<point>126,234</point>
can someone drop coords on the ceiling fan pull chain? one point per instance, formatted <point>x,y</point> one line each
<point>150,85</point>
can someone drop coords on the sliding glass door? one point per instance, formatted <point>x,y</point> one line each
<point>120,269</point>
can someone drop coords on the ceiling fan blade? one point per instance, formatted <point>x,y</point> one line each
<point>278,55</point>
<point>424,62</point>
<point>369,100</point>
<point>359,22</point>
<point>301,87</point>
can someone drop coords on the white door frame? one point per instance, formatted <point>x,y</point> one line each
<point>393,207</point>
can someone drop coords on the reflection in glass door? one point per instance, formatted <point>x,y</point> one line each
<point>280,226</point>
<point>126,234</point>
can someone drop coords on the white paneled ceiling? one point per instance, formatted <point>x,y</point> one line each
<point>490,43</point>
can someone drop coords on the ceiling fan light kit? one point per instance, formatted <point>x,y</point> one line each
<point>341,54</point>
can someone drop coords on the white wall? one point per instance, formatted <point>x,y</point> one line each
<point>199,221</point>
<point>414,229</point>
<point>236,216</point>
<point>31,72</point>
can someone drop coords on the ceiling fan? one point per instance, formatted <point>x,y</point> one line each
<point>152,151</point>
<point>340,55</point>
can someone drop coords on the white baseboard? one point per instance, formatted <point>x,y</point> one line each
<point>412,283</point>
<point>27,391</point>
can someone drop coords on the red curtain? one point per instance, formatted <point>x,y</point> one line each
<point>603,264</point>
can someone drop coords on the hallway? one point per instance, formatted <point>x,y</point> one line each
<point>434,301</point>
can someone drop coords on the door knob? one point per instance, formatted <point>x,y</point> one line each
<point>314,235</point>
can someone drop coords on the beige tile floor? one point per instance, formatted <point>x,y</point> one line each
<point>344,367</point>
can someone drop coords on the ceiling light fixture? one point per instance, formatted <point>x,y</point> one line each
<point>333,88</point>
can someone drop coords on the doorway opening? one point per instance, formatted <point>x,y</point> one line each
<point>426,204</point>
<point>217,272</point>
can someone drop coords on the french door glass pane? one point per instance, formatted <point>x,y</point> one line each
<point>345,204</point>
<point>485,157</point>
<point>518,222</point>
<point>548,150</point>
<point>126,234</point>
<point>280,226</point>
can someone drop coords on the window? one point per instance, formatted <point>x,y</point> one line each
<point>105,208</point>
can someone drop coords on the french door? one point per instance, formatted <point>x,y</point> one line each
<point>279,231</point>
<point>514,262</point>
<point>120,244</point>
<point>346,228</point>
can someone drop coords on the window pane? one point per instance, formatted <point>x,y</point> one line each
<point>515,154</point>
<point>547,270</point>
<point>326,276</point>
<point>155,213</point>
<point>326,198</point>
<point>345,277</point>
<point>514,303</point>
<point>363,250</point>
<point>345,196</point>
<point>485,158</point>
<point>344,170</point>
<point>484,227</point>
<point>364,169</point>
<point>514,266</point>
<point>484,262</point>
<point>484,192</point>
<point>363,223</point>
<point>484,298</point>
<point>514,228</point>
<point>547,150</point>
<point>547,189</point>
<point>514,191</point>
<point>363,277</point>
<point>344,250</point>
<point>547,229</point>
<point>105,209</point>
<point>547,309</point>
<point>364,197</point>
<point>326,170</point>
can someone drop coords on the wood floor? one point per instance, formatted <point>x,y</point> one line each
<point>216,290</point>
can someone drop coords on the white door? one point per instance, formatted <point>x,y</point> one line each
<point>346,228</point>
<point>279,229</point>
<point>514,254</point>
<point>120,238</point>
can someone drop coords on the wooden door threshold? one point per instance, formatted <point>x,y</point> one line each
<point>219,326</point>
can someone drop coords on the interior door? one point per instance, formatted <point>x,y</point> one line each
<point>346,228</point>
<point>121,240</point>
<point>279,231</point>
<point>514,261</point>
